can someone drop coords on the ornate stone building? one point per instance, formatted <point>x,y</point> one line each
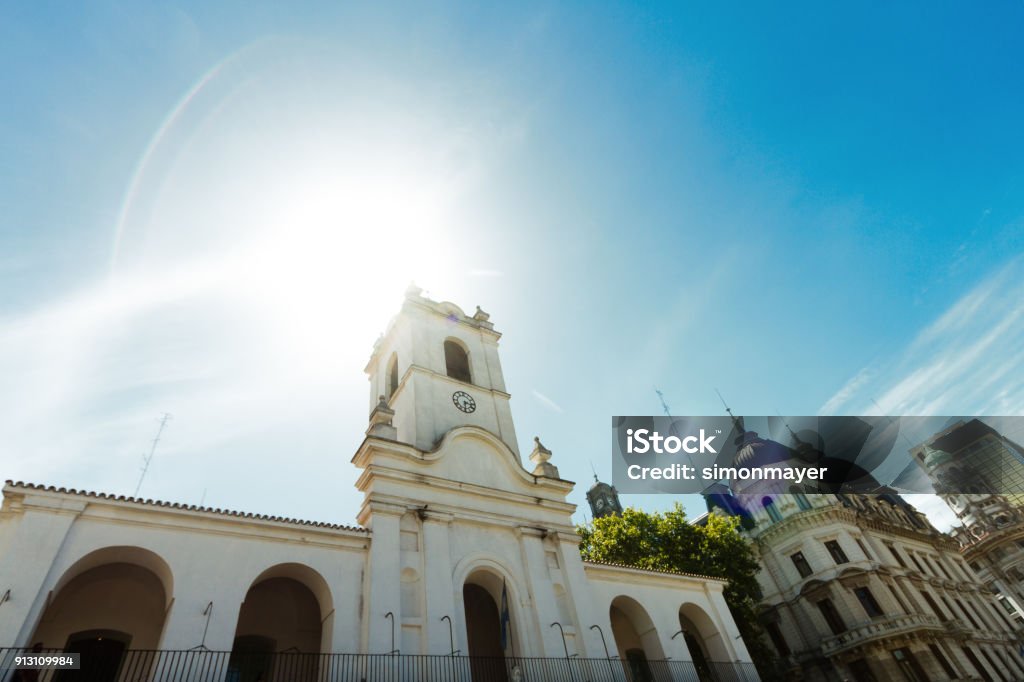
<point>969,462</point>
<point>862,587</point>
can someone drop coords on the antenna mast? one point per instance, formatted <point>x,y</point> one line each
<point>664,405</point>
<point>146,459</point>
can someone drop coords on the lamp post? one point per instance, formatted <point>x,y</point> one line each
<point>451,634</point>
<point>391,615</point>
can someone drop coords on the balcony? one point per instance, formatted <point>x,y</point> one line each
<point>198,665</point>
<point>877,629</point>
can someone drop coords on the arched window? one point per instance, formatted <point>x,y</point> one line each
<point>801,500</point>
<point>456,361</point>
<point>392,375</point>
<point>769,506</point>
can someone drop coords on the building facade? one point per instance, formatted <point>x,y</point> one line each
<point>461,556</point>
<point>862,587</point>
<point>969,463</point>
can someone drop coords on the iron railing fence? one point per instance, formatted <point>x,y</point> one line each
<point>203,665</point>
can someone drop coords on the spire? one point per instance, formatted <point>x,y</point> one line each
<point>737,422</point>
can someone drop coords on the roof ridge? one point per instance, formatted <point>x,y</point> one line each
<point>181,505</point>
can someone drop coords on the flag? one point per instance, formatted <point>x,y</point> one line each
<point>504,617</point>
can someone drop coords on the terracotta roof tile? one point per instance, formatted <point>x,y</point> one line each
<point>653,570</point>
<point>179,505</point>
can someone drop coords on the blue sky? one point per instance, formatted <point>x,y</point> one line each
<point>212,211</point>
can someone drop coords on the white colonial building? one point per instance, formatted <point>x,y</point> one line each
<point>464,565</point>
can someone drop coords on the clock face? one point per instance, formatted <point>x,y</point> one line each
<point>464,401</point>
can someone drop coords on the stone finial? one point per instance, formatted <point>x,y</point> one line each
<point>380,421</point>
<point>482,319</point>
<point>540,457</point>
<point>412,291</point>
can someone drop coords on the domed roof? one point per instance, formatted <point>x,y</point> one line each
<point>759,452</point>
<point>933,458</point>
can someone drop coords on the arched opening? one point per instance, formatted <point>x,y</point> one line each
<point>282,626</point>
<point>456,361</point>
<point>773,512</point>
<point>488,626</point>
<point>392,376</point>
<point>703,640</point>
<point>636,639</point>
<point>109,601</point>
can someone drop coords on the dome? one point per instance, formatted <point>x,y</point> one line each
<point>933,458</point>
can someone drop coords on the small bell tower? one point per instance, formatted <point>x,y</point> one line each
<point>437,368</point>
<point>603,499</point>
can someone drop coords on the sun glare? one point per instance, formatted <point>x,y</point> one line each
<point>329,269</point>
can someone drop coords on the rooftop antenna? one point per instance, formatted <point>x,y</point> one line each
<point>736,421</point>
<point>146,459</point>
<point>664,405</point>
<point>593,470</point>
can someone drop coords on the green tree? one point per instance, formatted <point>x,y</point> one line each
<point>668,542</point>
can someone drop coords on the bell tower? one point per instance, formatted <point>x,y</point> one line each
<point>603,499</point>
<point>437,368</point>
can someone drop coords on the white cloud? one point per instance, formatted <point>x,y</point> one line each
<point>968,361</point>
<point>546,401</point>
<point>938,512</point>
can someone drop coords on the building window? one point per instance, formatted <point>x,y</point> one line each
<point>838,555</point>
<point>802,567</point>
<point>976,663</point>
<point>456,361</point>
<point>392,375</point>
<point>896,556</point>
<point>917,563</point>
<point>908,664</point>
<point>943,661</point>
<point>899,600</point>
<point>867,600</point>
<point>802,503</point>
<point>988,657</point>
<point>861,671</point>
<point>769,506</point>
<point>968,614</point>
<point>934,607</point>
<point>832,617</point>
<point>775,634</point>
<point>864,549</point>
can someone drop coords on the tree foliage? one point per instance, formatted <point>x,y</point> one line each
<point>668,542</point>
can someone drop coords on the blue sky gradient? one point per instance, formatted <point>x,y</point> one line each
<point>213,211</point>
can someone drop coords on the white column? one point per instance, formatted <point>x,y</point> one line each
<point>587,611</point>
<point>438,586</point>
<point>384,586</point>
<point>537,583</point>
<point>727,626</point>
<point>27,563</point>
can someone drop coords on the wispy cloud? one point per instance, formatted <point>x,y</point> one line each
<point>546,401</point>
<point>968,361</point>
